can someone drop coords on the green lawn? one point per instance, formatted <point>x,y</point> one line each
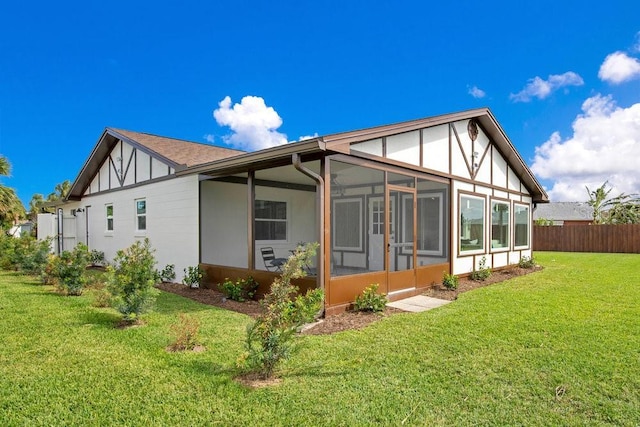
<point>557,347</point>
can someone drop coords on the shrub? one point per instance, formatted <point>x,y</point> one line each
<point>483,272</point>
<point>270,337</point>
<point>168,273</point>
<point>130,280</point>
<point>527,262</point>
<point>69,269</point>
<point>193,276</point>
<point>370,300</point>
<point>185,332</point>
<point>450,281</point>
<point>26,253</point>
<point>96,258</point>
<point>240,290</point>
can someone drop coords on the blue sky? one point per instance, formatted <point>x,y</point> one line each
<point>562,78</point>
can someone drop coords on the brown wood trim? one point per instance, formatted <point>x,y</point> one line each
<point>484,232</point>
<point>466,161</point>
<point>251,196</point>
<point>326,229</point>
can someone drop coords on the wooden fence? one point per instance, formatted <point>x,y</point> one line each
<point>623,238</point>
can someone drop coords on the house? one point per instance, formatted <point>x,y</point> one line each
<point>397,205</point>
<point>564,213</point>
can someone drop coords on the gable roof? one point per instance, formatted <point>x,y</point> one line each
<point>176,153</point>
<point>341,143</point>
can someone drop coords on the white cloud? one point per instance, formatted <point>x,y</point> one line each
<point>605,146</point>
<point>253,123</point>
<point>618,67</point>
<point>539,88</point>
<point>476,92</point>
<point>302,138</point>
<point>210,138</point>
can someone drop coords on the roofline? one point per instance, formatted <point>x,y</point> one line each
<point>405,126</point>
<point>256,158</point>
<point>115,133</point>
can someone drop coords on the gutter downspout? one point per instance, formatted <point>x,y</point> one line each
<point>297,163</point>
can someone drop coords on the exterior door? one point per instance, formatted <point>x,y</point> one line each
<point>401,250</point>
<point>376,232</point>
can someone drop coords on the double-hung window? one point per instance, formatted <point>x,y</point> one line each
<point>109,216</point>
<point>500,229</point>
<point>141,215</point>
<point>522,221</point>
<point>270,220</point>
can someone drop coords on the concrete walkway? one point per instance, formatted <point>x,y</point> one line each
<point>418,303</point>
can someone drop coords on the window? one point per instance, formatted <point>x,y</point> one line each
<point>109,216</point>
<point>500,217</point>
<point>141,215</point>
<point>270,220</point>
<point>522,221</point>
<point>472,219</point>
<point>430,230</point>
<point>347,224</point>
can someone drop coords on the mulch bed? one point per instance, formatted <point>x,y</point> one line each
<point>349,320</point>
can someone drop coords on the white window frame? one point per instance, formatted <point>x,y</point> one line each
<point>108,217</point>
<point>140,215</point>
<point>528,208</point>
<point>495,202</point>
<point>285,221</point>
<point>359,247</point>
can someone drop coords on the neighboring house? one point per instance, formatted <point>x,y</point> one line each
<point>396,205</point>
<point>564,213</point>
<point>20,229</point>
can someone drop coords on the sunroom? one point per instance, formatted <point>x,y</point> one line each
<point>397,206</point>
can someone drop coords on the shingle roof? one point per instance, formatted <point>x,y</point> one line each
<point>564,211</point>
<point>178,151</point>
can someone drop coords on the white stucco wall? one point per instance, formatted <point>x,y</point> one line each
<point>224,216</point>
<point>172,221</point>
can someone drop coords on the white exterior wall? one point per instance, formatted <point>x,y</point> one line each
<point>172,221</point>
<point>225,222</point>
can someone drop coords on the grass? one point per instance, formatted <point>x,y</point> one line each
<point>557,347</point>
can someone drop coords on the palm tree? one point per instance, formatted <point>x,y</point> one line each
<point>11,209</point>
<point>598,201</point>
<point>622,209</point>
<point>5,166</point>
<point>35,206</point>
<point>60,192</point>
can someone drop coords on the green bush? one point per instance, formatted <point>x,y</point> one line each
<point>450,281</point>
<point>131,279</point>
<point>270,336</point>
<point>193,276</point>
<point>26,253</point>
<point>168,273</point>
<point>240,290</point>
<point>96,258</point>
<point>370,300</point>
<point>69,269</point>
<point>483,272</point>
<point>527,262</point>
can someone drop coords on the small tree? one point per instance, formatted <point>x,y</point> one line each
<point>270,337</point>
<point>70,269</point>
<point>131,280</point>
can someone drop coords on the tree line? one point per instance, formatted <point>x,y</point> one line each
<point>12,211</point>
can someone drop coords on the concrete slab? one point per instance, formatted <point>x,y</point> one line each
<point>418,303</point>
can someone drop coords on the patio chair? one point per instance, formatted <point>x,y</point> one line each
<point>271,263</point>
